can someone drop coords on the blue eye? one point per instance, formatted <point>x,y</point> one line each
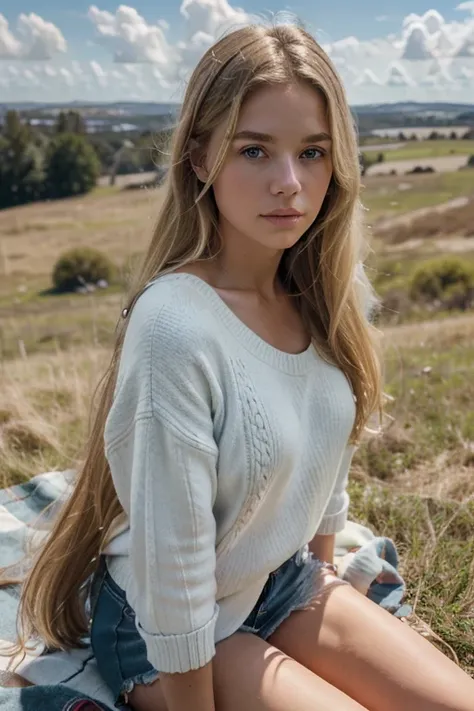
<point>252,152</point>
<point>313,153</point>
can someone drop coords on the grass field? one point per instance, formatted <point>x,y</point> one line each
<point>417,150</point>
<point>387,196</point>
<point>413,483</point>
<point>120,223</point>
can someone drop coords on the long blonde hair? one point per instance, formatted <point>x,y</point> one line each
<point>319,270</point>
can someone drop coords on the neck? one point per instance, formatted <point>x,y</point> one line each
<point>244,265</point>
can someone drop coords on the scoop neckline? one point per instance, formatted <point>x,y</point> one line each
<point>293,363</point>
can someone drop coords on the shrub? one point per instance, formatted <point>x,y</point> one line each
<point>72,166</point>
<point>79,266</point>
<point>437,278</point>
<point>470,161</point>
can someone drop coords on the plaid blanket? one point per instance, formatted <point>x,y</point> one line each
<point>368,562</point>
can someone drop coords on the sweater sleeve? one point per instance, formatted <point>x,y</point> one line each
<point>335,514</point>
<point>162,455</point>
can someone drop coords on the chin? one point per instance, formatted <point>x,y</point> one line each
<point>280,242</point>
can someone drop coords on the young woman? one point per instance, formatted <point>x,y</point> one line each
<point>243,376</point>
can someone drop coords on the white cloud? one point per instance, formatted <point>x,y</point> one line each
<point>128,36</point>
<point>37,39</point>
<point>417,43</point>
<point>367,78</point>
<point>211,16</point>
<point>398,76</point>
<point>99,73</point>
<point>444,43</point>
<point>437,76</point>
<point>467,46</point>
<point>465,76</point>
<point>431,20</point>
<point>466,6</point>
<point>426,54</point>
<point>9,46</point>
<point>28,74</point>
<point>67,76</point>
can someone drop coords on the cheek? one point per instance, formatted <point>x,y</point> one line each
<point>232,187</point>
<point>320,179</point>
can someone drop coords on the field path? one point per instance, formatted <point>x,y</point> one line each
<point>411,334</point>
<point>387,223</point>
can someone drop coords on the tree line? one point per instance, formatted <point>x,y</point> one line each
<point>44,164</point>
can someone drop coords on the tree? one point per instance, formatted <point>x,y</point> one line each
<point>365,162</point>
<point>13,126</point>
<point>70,122</point>
<point>61,124</point>
<point>72,166</point>
<point>21,174</point>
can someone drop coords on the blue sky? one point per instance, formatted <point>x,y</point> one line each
<point>48,52</point>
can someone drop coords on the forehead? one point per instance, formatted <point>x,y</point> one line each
<point>294,108</point>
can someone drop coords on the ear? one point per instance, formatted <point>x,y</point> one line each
<point>197,157</point>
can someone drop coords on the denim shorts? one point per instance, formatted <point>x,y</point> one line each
<point>121,653</point>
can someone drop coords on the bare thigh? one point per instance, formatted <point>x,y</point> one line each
<point>252,675</point>
<point>370,655</point>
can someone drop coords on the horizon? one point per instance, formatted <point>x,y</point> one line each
<point>138,102</point>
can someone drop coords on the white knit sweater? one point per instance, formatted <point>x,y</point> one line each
<point>227,455</point>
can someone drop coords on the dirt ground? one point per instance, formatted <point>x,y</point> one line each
<point>445,164</point>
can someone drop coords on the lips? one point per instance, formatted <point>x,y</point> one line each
<point>284,212</point>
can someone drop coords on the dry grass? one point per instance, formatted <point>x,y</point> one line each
<point>44,411</point>
<point>117,222</point>
<point>457,220</point>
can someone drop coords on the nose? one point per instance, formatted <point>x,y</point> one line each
<point>285,180</point>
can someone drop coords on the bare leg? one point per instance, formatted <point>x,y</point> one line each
<point>250,674</point>
<point>374,658</point>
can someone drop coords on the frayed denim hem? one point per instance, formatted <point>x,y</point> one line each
<point>128,686</point>
<point>309,590</point>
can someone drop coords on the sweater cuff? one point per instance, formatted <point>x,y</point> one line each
<point>335,522</point>
<point>181,652</point>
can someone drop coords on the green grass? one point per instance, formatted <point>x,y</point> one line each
<point>431,411</point>
<point>384,197</point>
<point>46,324</point>
<point>434,539</point>
<point>425,149</point>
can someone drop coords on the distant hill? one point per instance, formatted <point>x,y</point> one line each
<point>413,107</point>
<point>126,116</point>
<point>117,108</point>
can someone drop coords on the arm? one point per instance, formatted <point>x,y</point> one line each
<point>322,547</point>
<point>162,454</point>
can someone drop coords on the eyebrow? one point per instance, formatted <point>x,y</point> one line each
<point>267,138</point>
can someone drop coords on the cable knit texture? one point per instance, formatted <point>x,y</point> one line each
<point>227,454</point>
